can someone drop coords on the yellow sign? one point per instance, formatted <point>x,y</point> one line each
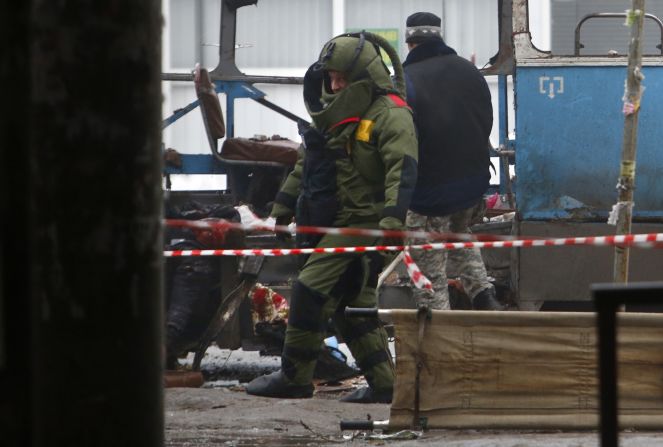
<point>389,34</point>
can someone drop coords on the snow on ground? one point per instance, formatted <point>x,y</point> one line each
<point>226,368</point>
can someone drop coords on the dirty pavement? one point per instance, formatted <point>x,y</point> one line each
<point>220,413</point>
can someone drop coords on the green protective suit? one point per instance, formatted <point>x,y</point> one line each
<point>360,173</point>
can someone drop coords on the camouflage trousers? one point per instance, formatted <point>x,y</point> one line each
<point>326,284</point>
<point>433,263</point>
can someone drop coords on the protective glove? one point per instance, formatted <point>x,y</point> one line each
<point>313,139</point>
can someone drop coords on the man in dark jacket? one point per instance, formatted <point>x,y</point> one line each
<point>454,116</point>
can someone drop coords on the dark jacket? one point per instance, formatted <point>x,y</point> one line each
<point>453,114</point>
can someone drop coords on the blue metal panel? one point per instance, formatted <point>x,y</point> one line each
<point>179,113</point>
<point>197,164</point>
<point>234,90</point>
<point>569,128</point>
<point>504,141</point>
<point>503,102</point>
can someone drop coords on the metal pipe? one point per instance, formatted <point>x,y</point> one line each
<point>612,15</point>
<point>503,63</point>
<point>280,110</point>
<point>607,298</point>
<point>251,79</point>
<point>364,425</point>
<point>366,312</point>
<point>606,320</point>
<point>227,35</point>
<point>390,268</point>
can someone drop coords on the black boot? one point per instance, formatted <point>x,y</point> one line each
<point>367,395</point>
<point>486,300</point>
<point>277,384</point>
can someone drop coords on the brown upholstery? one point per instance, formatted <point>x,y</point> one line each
<point>281,151</point>
<point>274,150</point>
<point>254,168</point>
<point>209,104</point>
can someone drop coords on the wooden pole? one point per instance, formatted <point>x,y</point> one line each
<point>632,97</point>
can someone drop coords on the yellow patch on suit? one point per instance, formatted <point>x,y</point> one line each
<point>364,130</point>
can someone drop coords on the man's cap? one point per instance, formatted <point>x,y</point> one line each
<point>421,26</point>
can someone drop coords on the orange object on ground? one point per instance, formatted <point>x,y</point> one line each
<point>182,379</point>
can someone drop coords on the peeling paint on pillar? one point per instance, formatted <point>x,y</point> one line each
<point>96,200</point>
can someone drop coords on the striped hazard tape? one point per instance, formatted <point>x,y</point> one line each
<point>346,231</point>
<point>649,240</point>
<point>418,279</point>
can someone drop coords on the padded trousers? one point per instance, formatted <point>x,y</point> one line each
<point>326,284</point>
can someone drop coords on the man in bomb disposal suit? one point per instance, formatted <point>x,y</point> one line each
<point>357,168</point>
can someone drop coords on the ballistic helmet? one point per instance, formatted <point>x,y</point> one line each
<point>357,57</point>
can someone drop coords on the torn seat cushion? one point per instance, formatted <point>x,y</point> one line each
<point>282,151</point>
<point>209,104</point>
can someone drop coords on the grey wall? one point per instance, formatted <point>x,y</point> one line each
<point>290,33</point>
<point>470,27</point>
<point>599,35</point>
<point>283,37</point>
<point>283,34</point>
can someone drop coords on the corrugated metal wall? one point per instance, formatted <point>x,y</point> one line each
<point>468,26</point>
<point>283,33</point>
<point>599,35</point>
<point>283,37</point>
<point>184,25</point>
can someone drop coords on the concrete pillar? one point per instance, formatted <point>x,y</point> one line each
<point>89,223</point>
<point>15,286</point>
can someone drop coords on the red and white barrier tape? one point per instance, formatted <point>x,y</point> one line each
<point>280,251</point>
<point>420,281</point>
<point>627,240</point>
<point>346,231</point>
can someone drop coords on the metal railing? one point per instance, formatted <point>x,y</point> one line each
<point>612,15</point>
<point>608,299</point>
